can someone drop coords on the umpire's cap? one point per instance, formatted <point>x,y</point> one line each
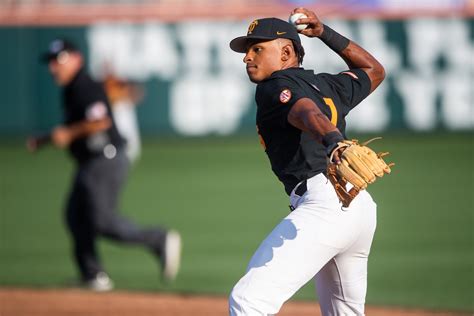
<point>56,47</point>
<point>266,29</point>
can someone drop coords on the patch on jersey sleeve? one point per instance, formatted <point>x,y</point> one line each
<point>350,73</point>
<point>285,96</point>
<point>96,111</point>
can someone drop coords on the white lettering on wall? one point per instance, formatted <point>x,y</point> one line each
<point>457,100</point>
<point>419,97</point>
<point>201,104</point>
<point>429,41</point>
<point>372,115</point>
<point>136,52</point>
<point>210,92</point>
<point>208,98</point>
<point>197,44</point>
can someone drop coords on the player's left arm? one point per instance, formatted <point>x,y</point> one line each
<point>63,135</point>
<point>306,116</point>
<point>97,119</point>
<point>354,55</point>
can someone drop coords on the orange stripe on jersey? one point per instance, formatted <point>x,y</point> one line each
<point>332,108</point>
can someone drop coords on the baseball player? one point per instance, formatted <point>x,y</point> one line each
<point>124,97</point>
<point>90,134</point>
<point>301,122</point>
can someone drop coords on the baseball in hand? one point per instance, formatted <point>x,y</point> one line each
<point>295,17</point>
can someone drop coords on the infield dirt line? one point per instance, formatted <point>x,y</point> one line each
<point>59,302</point>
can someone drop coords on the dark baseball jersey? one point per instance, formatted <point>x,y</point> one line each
<point>85,99</point>
<point>295,155</point>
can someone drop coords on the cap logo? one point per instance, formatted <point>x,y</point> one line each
<point>285,96</point>
<point>252,26</point>
<point>62,57</point>
<point>56,46</point>
<point>280,33</point>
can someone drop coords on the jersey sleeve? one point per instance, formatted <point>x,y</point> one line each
<point>277,96</point>
<point>352,86</point>
<point>93,101</point>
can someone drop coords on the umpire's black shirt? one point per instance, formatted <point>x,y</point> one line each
<point>295,155</point>
<point>85,99</point>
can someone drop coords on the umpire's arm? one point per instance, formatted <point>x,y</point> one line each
<point>63,135</point>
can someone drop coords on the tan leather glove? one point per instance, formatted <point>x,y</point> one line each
<point>359,166</point>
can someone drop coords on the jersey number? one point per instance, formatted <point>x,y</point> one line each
<point>333,110</point>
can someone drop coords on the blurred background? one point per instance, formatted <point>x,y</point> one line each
<point>199,166</point>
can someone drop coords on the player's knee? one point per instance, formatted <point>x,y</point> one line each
<point>106,226</point>
<point>243,302</point>
<point>238,301</point>
<point>235,296</point>
<point>100,226</point>
<point>233,304</point>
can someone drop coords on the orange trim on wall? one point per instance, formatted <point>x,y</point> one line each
<point>83,14</point>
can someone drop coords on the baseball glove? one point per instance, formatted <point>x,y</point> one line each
<point>359,166</point>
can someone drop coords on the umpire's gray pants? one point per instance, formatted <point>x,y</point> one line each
<point>92,212</point>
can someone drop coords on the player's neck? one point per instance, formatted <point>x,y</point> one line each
<point>291,63</point>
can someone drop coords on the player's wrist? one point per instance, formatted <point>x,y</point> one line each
<point>331,141</point>
<point>333,39</point>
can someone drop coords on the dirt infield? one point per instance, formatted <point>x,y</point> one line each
<point>25,302</point>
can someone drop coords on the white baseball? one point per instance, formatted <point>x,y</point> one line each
<point>298,16</point>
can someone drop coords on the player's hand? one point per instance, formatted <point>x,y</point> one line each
<point>32,144</point>
<point>336,155</point>
<point>35,143</point>
<point>315,26</point>
<point>61,137</point>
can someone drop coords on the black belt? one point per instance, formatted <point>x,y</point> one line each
<point>302,188</point>
<point>300,191</point>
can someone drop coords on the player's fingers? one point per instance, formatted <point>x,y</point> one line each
<point>308,13</point>
<point>31,144</point>
<point>105,123</point>
<point>337,157</point>
<point>309,21</point>
<point>308,32</point>
<point>298,10</point>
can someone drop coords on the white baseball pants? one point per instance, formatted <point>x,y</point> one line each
<point>319,240</point>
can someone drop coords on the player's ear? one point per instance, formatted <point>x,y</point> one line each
<point>285,53</point>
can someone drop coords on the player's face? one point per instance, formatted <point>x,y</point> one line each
<point>64,67</point>
<point>262,59</point>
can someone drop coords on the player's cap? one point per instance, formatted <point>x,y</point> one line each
<point>266,29</point>
<point>56,47</point>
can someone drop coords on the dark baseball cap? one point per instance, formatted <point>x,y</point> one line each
<point>56,47</point>
<point>266,29</point>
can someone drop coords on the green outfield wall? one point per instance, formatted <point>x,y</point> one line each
<point>196,86</point>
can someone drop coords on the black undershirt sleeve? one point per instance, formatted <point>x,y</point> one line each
<point>277,96</point>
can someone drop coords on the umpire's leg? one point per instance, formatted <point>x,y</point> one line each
<point>81,226</point>
<point>107,177</point>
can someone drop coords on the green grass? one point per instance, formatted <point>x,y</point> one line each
<point>220,193</point>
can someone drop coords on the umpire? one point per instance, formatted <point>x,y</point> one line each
<point>90,134</point>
